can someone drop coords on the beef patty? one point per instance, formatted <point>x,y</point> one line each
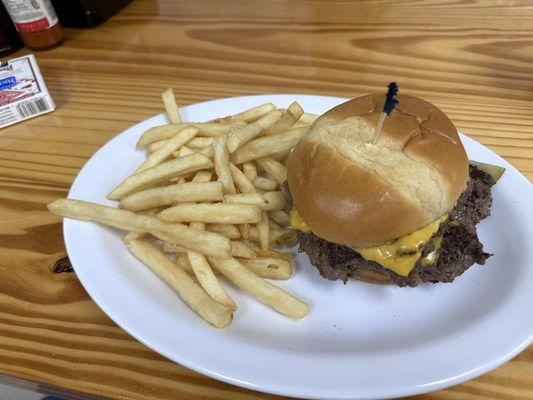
<point>460,246</point>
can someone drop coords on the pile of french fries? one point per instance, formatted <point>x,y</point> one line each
<point>208,201</point>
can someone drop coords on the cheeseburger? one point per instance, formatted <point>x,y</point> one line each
<point>399,207</point>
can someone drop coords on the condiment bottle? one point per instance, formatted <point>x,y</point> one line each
<point>36,21</point>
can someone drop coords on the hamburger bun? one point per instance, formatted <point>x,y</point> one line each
<point>352,191</point>
<point>370,276</point>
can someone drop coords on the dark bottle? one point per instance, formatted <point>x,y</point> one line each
<point>86,13</point>
<point>36,22</point>
<point>9,38</point>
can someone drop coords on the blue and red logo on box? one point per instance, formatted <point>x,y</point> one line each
<point>7,83</point>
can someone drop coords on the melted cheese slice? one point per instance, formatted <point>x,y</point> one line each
<point>297,221</point>
<point>401,255</point>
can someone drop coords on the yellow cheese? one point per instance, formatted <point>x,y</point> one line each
<point>401,255</point>
<point>297,221</point>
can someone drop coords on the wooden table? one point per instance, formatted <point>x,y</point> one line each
<point>473,59</point>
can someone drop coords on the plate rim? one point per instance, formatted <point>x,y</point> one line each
<point>419,389</point>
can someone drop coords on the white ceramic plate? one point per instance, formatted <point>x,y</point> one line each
<point>359,341</point>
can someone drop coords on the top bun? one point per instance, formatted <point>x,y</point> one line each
<point>357,193</point>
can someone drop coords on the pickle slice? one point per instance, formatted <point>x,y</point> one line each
<point>493,170</point>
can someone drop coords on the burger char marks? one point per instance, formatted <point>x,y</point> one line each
<point>460,247</point>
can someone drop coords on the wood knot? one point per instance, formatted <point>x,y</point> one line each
<point>62,265</point>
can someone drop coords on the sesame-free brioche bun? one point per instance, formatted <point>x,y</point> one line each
<point>357,193</point>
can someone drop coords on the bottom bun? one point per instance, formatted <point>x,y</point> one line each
<point>372,277</point>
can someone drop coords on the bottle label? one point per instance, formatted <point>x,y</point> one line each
<point>23,93</point>
<point>31,15</point>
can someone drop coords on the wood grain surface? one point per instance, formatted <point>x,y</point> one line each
<point>472,58</point>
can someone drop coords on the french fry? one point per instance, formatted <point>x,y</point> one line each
<point>217,128</point>
<point>206,277</point>
<point>275,269</point>
<point>249,132</point>
<point>254,199</point>
<point>283,237</point>
<point>171,107</point>
<point>275,201</point>
<point>182,261</point>
<point>132,235</point>
<point>308,118</point>
<point>253,235</point>
<point>244,229</point>
<point>269,252</point>
<point>268,267</point>
<point>202,177</point>
<point>265,267</point>
<point>173,248</point>
<point>279,237</point>
<point>177,193</point>
<point>230,231</point>
<point>250,170</point>
<point>222,120</point>
<point>236,123</point>
<point>241,249</point>
<point>285,160</point>
<point>240,180</point>
<point>163,132</point>
<point>254,113</point>
<point>159,133</point>
<point>274,225</point>
<point>177,180</point>
<point>281,157</point>
<point>267,145</point>
<point>209,282</point>
<point>264,184</point>
<point>208,151</point>
<point>197,225</point>
<point>183,151</point>
<point>181,283</point>
<point>264,291</point>
<point>263,231</point>
<point>203,242</point>
<point>238,249</point>
<point>219,213</point>
<point>160,174</point>
<point>155,145</point>
<point>274,168</point>
<point>198,143</point>
<point>281,217</point>
<point>222,164</point>
<point>169,146</point>
<point>288,119</point>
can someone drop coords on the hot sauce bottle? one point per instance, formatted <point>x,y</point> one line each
<point>36,21</point>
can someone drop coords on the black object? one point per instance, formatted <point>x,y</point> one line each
<point>86,13</point>
<point>9,37</point>
<point>390,101</point>
<point>62,265</point>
